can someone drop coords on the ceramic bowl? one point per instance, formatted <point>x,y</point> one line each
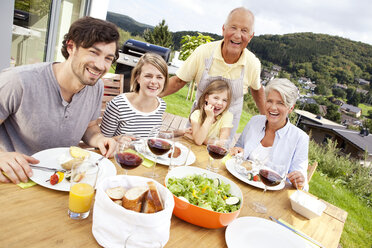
<point>306,205</point>
<point>197,215</point>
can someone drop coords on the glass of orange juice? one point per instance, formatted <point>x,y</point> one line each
<point>83,181</point>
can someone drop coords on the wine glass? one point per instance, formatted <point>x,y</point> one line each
<point>217,149</point>
<point>127,153</point>
<point>159,142</point>
<point>271,175</point>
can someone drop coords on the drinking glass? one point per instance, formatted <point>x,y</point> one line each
<point>159,142</point>
<point>83,181</point>
<point>128,153</point>
<point>271,175</point>
<point>217,149</point>
<point>180,157</point>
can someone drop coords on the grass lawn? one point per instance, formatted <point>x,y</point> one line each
<point>178,105</point>
<point>358,226</point>
<point>365,108</point>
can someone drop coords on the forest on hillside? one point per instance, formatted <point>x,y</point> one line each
<point>325,59</point>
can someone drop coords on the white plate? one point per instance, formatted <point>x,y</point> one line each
<point>164,159</point>
<point>230,166</point>
<point>50,158</point>
<point>258,232</point>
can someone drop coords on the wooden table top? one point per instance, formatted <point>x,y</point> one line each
<point>37,216</point>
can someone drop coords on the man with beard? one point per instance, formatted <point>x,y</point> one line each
<point>49,105</point>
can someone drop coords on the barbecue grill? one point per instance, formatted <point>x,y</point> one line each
<point>130,53</point>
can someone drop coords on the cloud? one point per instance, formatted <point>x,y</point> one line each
<point>346,18</point>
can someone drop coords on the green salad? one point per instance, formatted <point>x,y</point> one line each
<point>211,194</point>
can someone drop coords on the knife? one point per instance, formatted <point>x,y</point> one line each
<point>297,232</point>
<point>45,168</point>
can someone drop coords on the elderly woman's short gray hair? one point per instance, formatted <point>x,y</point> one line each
<point>287,90</point>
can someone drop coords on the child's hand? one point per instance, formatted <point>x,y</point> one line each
<point>209,110</point>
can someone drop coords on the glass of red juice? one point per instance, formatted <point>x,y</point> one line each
<point>217,149</point>
<point>271,175</point>
<point>127,155</point>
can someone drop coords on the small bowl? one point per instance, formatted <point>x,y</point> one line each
<point>201,216</point>
<point>306,205</point>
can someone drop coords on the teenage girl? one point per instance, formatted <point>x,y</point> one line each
<point>211,117</point>
<point>137,112</point>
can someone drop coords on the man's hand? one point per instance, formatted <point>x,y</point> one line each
<point>95,138</point>
<point>297,179</point>
<point>14,167</point>
<point>106,146</point>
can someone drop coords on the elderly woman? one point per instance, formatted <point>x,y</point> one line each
<point>272,137</point>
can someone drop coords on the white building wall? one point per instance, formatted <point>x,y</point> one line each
<point>98,9</point>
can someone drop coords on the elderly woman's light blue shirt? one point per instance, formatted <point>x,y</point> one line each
<point>290,147</point>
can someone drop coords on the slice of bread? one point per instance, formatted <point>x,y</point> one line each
<point>133,198</point>
<point>116,193</point>
<point>68,165</point>
<point>77,152</point>
<point>152,202</point>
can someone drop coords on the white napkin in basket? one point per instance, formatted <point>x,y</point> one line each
<point>112,224</point>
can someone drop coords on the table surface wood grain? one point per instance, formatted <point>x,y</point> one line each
<point>37,216</point>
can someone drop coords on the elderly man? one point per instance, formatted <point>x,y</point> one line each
<point>227,60</point>
<point>50,105</point>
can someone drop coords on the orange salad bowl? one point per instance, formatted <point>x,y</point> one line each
<point>197,215</point>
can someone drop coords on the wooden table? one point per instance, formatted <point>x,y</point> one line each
<point>37,216</point>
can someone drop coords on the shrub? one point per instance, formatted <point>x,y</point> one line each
<point>342,169</point>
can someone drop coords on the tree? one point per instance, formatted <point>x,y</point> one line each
<point>332,113</point>
<point>339,93</point>
<point>355,100</point>
<point>160,36</point>
<point>312,108</point>
<point>190,43</point>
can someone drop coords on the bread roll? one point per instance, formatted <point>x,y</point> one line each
<point>116,193</point>
<point>133,198</point>
<point>153,202</point>
<point>119,202</point>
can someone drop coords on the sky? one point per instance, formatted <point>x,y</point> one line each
<point>350,19</point>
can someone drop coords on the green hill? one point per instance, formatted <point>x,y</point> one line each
<point>323,58</point>
<point>127,23</point>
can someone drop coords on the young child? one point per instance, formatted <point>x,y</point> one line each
<point>211,117</point>
<point>137,112</point>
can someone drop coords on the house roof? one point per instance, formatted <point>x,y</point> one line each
<point>308,100</point>
<point>362,142</point>
<point>350,108</point>
<point>312,118</point>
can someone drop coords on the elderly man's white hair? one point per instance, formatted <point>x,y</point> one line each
<point>287,90</point>
<point>245,11</point>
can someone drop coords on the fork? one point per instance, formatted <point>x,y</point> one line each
<point>99,160</point>
<point>45,168</point>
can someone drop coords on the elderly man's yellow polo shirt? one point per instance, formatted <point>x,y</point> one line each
<point>194,66</point>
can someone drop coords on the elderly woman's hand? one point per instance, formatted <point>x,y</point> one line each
<point>236,150</point>
<point>297,179</point>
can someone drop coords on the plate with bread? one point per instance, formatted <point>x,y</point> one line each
<point>62,159</point>
<point>247,175</point>
<point>178,156</point>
